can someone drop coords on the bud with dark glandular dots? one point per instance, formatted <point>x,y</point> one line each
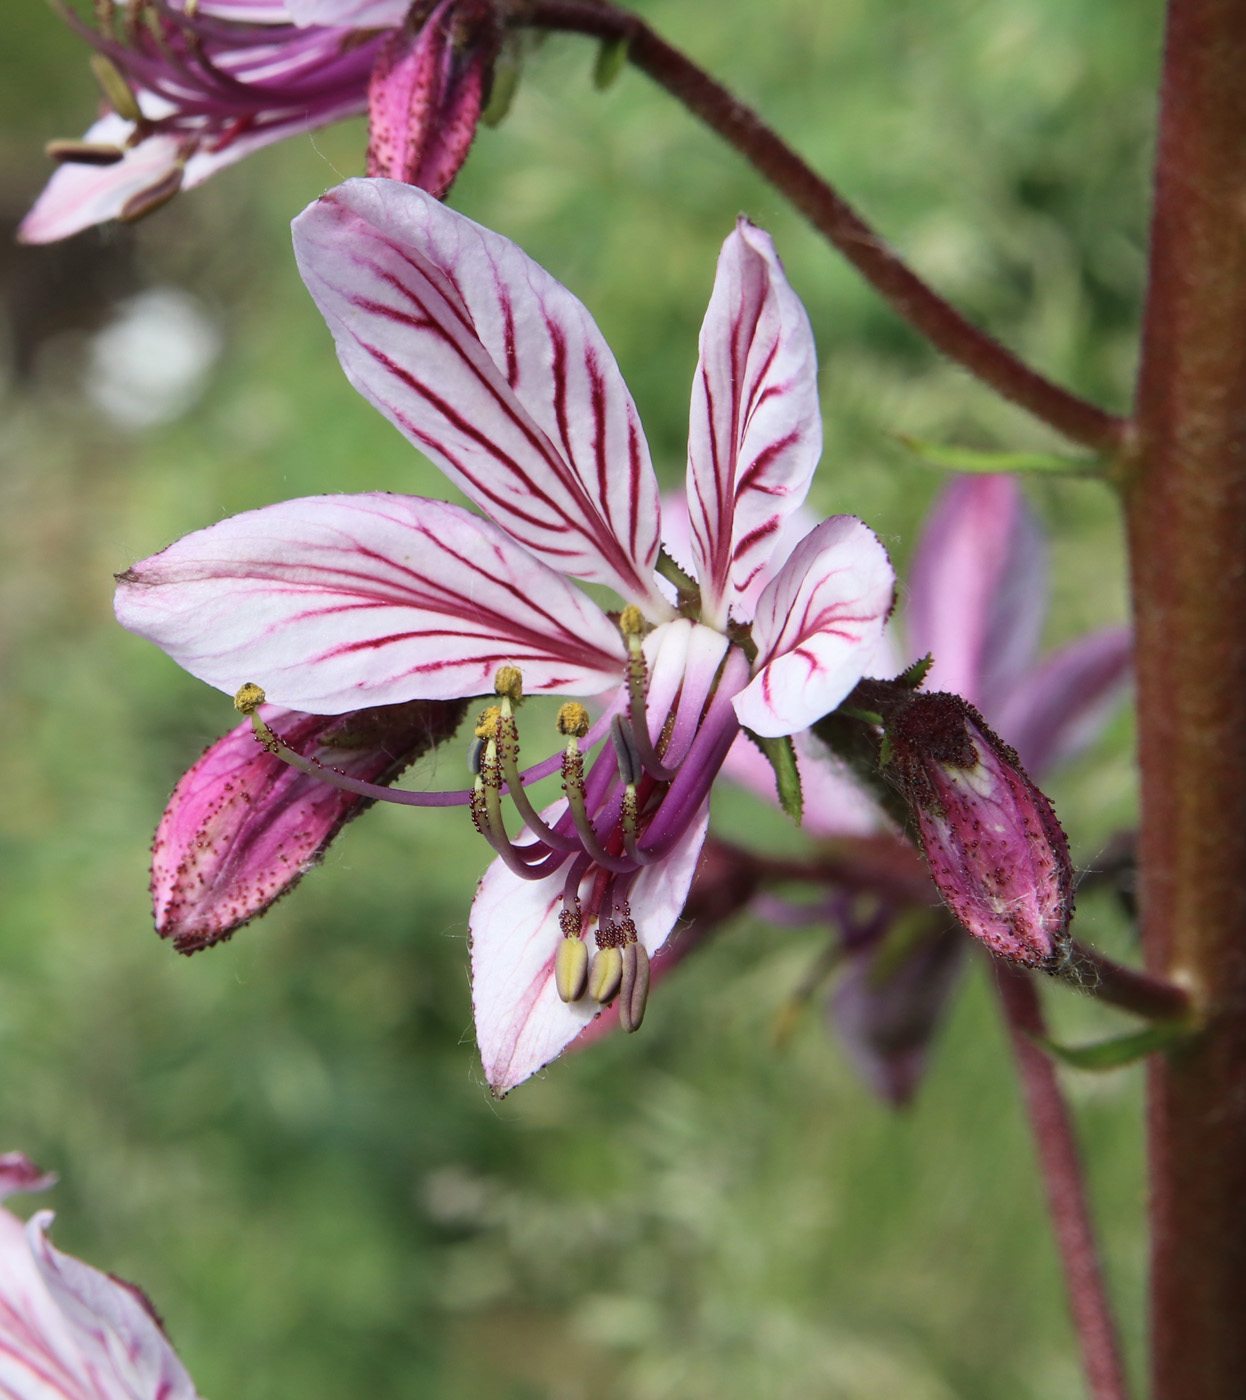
<point>994,846</point>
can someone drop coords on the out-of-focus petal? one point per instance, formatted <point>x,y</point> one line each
<point>755,431</point>
<point>242,827</point>
<point>834,805</point>
<point>978,589</point>
<point>426,95</point>
<point>1060,706</point>
<point>521,1025</point>
<point>494,370</point>
<point>335,603</point>
<point>78,196</point>
<point>357,14</point>
<point>817,627</point>
<point>19,1173</point>
<point>886,1013</point>
<point>250,11</point>
<point>119,1343</point>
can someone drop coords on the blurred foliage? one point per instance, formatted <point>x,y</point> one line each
<point>286,1140</point>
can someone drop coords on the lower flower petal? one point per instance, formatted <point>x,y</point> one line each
<point>335,603</point>
<point>521,1025</point>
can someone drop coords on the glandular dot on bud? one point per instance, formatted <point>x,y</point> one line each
<point>995,848</point>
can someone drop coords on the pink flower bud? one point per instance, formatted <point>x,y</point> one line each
<point>995,848</point>
<point>426,94</point>
<point>242,826</point>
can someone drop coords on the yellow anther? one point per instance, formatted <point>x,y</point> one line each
<point>632,621</point>
<point>248,699</point>
<point>509,682</point>
<point>487,724</point>
<point>605,974</point>
<point>573,720</point>
<point>570,969</point>
<point>115,88</point>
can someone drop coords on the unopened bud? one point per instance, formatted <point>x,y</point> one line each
<point>571,969</point>
<point>634,987</point>
<point>994,846</point>
<point>605,974</point>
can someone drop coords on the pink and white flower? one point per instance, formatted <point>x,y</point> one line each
<point>67,1331</point>
<point>195,87</point>
<point>500,376</point>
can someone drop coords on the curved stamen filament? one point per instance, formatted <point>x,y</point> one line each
<point>573,786</point>
<point>508,763</point>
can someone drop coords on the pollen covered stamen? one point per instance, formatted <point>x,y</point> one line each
<point>636,689</point>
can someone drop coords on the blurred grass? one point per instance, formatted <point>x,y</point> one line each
<point>286,1140</point>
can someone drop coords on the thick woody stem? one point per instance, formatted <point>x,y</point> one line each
<point>1056,1144</point>
<point>1186,507</point>
<point>922,307</point>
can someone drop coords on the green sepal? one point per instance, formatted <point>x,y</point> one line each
<point>865,716</point>
<point>916,674</point>
<point>782,758</point>
<point>969,459</point>
<point>611,57</point>
<point>1120,1050</point>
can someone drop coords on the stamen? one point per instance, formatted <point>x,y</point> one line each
<point>625,751</point>
<point>509,683</point>
<point>83,152</point>
<point>116,90</point>
<point>154,197</point>
<point>634,987</point>
<point>506,748</point>
<point>573,786</point>
<point>636,688</point>
<point>571,969</point>
<point>605,974</point>
<point>573,720</point>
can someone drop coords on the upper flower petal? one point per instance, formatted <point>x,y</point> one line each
<point>755,433</point>
<point>977,591</point>
<point>521,1025</point>
<point>358,14</point>
<point>333,603</point>
<point>494,370</point>
<point>818,624</point>
<point>1062,704</point>
<point>242,827</point>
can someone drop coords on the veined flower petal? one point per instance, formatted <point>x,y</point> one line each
<point>250,11</point>
<point>242,826</point>
<point>818,624</point>
<point>977,592</point>
<point>494,370</point>
<point>755,431</point>
<point>334,603</point>
<point>521,1025</point>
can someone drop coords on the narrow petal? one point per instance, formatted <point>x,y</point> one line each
<point>118,1339</point>
<point>78,196</point>
<point>977,591</point>
<point>521,1025</point>
<point>336,603</point>
<point>242,827</point>
<point>426,95</point>
<point>1060,707</point>
<point>755,432</point>
<point>358,14</point>
<point>19,1173</point>
<point>818,626</point>
<point>494,370</point>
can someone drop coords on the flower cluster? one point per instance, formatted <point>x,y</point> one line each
<point>335,604</point>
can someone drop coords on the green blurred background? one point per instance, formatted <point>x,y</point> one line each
<point>287,1140</point>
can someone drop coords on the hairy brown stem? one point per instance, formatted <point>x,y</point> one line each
<point>1185,499</point>
<point>919,304</point>
<point>1056,1144</point>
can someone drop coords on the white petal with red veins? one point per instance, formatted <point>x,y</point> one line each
<point>333,603</point>
<point>755,432</point>
<point>818,625</point>
<point>494,370</point>
<point>521,1025</point>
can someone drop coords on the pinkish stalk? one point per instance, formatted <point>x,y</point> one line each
<point>1056,1142</point>
<point>839,223</point>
